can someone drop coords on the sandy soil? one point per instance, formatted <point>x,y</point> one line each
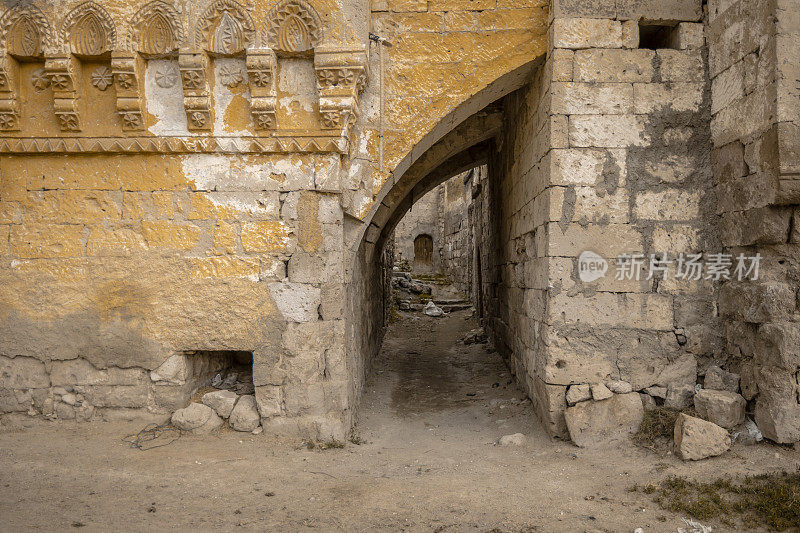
<point>429,420</point>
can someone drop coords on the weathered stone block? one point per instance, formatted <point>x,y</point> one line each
<point>576,33</point>
<point>578,393</point>
<point>617,66</point>
<point>697,439</point>
<point>608,131</point>
<point>296,302</point>
<point>244,416</point>
<point>600,423</point>
<point>671,204</point>
<point>679,396</point>
<point>681,372</point>
<point>718,379</point>
<point>659,11</point>
<point>687,35</point>
<point>222,401</point>
<point>724,408</point>
<point>197,418</point>
<point>675,97</point>
<point>573,98</point>
<point>23,373</point>
<point>756,302</point>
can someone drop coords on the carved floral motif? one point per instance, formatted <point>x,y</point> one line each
<point>102,78</point>
<point>166,77</point>
<point>40,80</point>
<point>231,76</point>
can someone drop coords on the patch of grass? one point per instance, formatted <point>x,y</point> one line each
<point>657,427</point>
<point>356,439</point>
<point>425,298</point>
<point>771,500</point>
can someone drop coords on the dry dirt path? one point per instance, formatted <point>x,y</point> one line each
<point>429,419</point>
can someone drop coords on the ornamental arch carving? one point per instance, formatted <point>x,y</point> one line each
<point>89,30</point>
<point>225,28</point>
<point>156,30</point>
<point>294,27</point>
<point>25,31</point>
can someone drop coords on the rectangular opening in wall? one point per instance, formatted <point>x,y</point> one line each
<point>223,369</point>
<point>656,36</point>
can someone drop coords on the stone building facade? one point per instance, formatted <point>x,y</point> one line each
<point>182,180</point>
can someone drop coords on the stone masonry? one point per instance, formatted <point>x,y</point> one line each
<point>183,184</point>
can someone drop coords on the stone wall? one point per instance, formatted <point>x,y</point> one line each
<point>422,219</point>
<point>756,108</point>
<point>457,233</point>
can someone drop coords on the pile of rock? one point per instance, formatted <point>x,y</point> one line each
<point>241,412</point>
<point>233,401</point>
<point>403,281</point>
<point>602,412</point>
<point>238,382</point>
<point>67,404</point>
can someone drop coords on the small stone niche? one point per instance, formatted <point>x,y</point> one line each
<point>223,369</point>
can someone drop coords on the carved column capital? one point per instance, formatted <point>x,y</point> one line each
<point>9,94</point>
<point>64,73</point>
<point>196,94</point>
<point>126,68</point>
<point>341,78</point>
<point>261,72</point>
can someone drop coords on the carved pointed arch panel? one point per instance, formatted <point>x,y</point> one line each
<point>89,30</point>
<point>156,29</point>
<point>225,28</point>
<point>294,26</point>
<point>25,31</point>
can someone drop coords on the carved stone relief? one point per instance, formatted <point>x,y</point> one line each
<point>294,27</point>
<point>196,96</point>
<point>225,28</point>
<point>260,70</point>
<point>156,30</point>
<point>89,31</point>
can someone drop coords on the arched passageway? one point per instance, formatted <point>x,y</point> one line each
<point>488,132</point>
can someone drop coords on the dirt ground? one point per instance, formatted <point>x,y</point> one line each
<point>431,414</point>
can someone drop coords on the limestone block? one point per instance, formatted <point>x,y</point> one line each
<point>578,393</point>
<point>296,302</point>
<point>197,418</point>
<point>616,66</point>
<point>576,33</point>
<point>221,401</point>
<point>619,387</point>
<point>727,87</point>
<point>82,372</point>
<point>588,166</point>
<point>608,241</point>
<point>679,397</point>
<point>64,411</point>
<point>571,98</point>
<point>608,131</point>
<point>129,396</point>
<point>640,311</point>
<point>719,379</point>
<point>724,408</point>
<point>601,392</point>
<point>244,416</point>
<point>630,34</point>
<point>756,302</point>
<point>778,418</point>
<point>675,97</point>
<point>660,10</point>
<point>171,397</point>
<point>176,369</point>
<point>656,392</point>
<point>682,371</point>
<point>597,423</point>
<point>671,204</point>
<point>23,373</point>
<point>697,439</point>
<point>687,35</point>
<point>562,64</point>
